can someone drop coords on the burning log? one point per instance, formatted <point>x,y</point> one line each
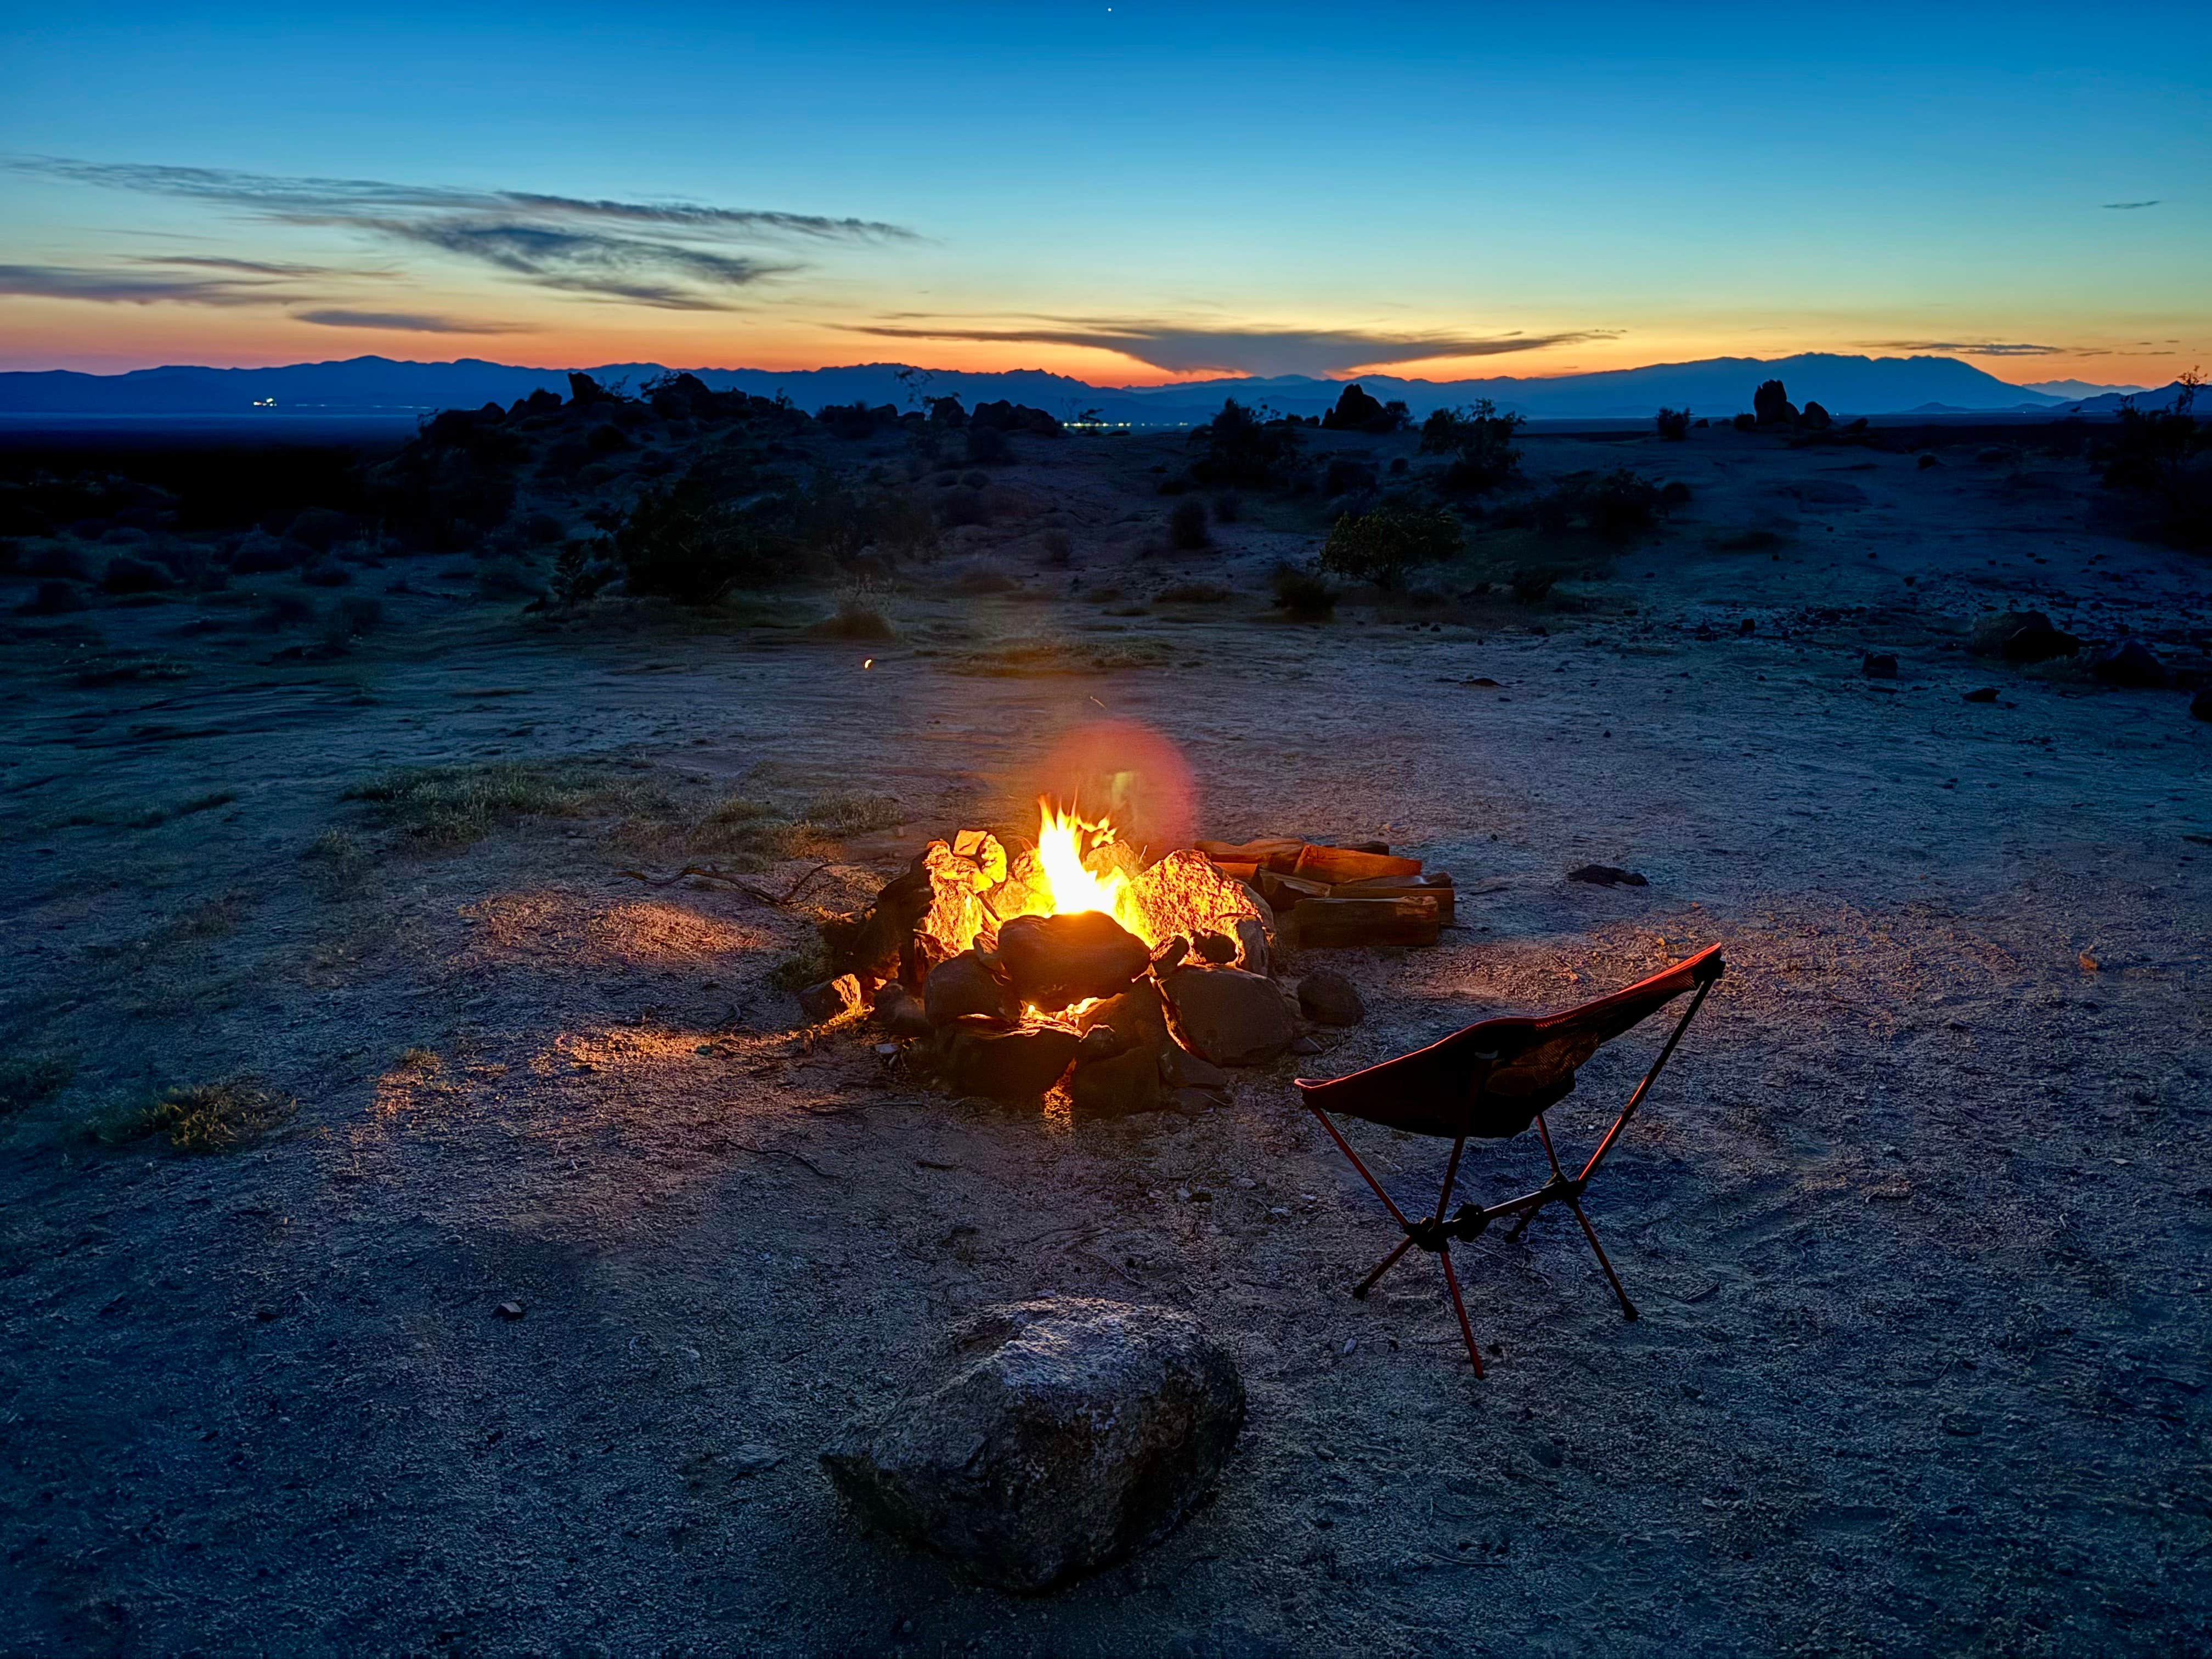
<point>1326,924</point>
<point>1050,961</point>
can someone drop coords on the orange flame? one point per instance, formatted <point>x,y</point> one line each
<point>1065,839</point>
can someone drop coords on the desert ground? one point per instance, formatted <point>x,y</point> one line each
<point>1918,1220</point>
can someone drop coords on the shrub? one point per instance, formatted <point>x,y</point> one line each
<point>53,598</point>
<point>356,614</point>
<point>855,618</point>
<point>1237,447</point>
<point>1380,546</point>
<point>321,528</point>
<point>1674,424</point>
<point>281,610</point>
<point>1059,548</point>
<point>681,543</point>
<point>27,1079</point>
<point>1480,441</point>
<point>1193,594</point>
<point>1744,422</point>
<point>1533,584</point>
<point>1187,525</point>
<point>960,506</point>
<point>324,571</point>
<point>207,1117</point>
<point>506,579</point>
<point>577,576</point>
<point>1228,508</point>
<point>1616,505</point>
<point>987,446</point>
<point>1304,594</point>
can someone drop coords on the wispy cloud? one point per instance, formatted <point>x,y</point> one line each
<point>407,322</point>
<point>676,255</point>
<point>2128,206</point>
<point>1184,349</point>
<point>1978,347</point>
<point>138,288</point>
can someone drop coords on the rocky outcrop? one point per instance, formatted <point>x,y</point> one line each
<point>1227,1016</point>
<point>1060,1435</point>
<point>1771,405</point>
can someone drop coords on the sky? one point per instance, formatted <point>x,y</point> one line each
<point>1129,194</point>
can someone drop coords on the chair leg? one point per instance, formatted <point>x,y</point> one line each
<point>1359,1291</point>
<point>1627,1308</point>
<point>1466,1330</point>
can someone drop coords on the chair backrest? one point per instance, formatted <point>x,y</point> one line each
<point>1491,1079</point>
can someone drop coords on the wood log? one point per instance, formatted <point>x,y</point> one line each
<point>1436,884</point>
<point>1282,892</point>
<point>1337,924</point>
<point>1235,870</point>
<point>1335,864</point>
<point>1279,853</point>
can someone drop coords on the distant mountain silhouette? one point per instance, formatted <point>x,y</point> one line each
<point>2109,402</point>
<point>1718,387</point>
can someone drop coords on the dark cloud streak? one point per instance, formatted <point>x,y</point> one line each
<point>407,322</point>
<point>1976,348</point>
<point>1188,349</point>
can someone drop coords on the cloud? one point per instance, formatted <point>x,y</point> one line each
<point>137,289</point>
<point>2129,207</point>
<point>409,322</point>
<point>244,267</point>
<point>1978,347</point>
<point>678,255</point>
<point>1263,351</point>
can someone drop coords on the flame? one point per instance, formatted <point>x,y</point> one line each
<point>1065,839</point>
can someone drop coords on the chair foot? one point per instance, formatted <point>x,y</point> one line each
<point>1466,1330</point>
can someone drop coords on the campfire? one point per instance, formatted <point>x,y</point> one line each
<point>1072,959</point>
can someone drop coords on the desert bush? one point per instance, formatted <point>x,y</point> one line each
<point>1345,476</point>
<point>1533,584</point>
<point>324,571</point>
<point>961,504</point>
<point>1480,442</point>
<point>682,543</point>
<point>1616,505</point>
<point>1303,594</point>
<point>1744,422</point>
<point>578,576</point>
<point>1674,424</point>
<point>1228,508</point>
<point>987,446</point>
<point>52,598</point>
<point>855,618</point>
<point>1236,447</point>
<point>321,528</point>
<point>358,613</point>
<point>1187,526</point>
<point>63,561</point>
<point>279,610</point>
<point>1059,548</point>
<point>2166,454</point>
<point>505,578</point>
<point>27,1079</point>
<point>454,805</point>
<point>1380,546</point>
<point>207,1117</point>
<point>853,815</point>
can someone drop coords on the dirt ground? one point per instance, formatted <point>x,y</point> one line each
<point>1918,1221</point>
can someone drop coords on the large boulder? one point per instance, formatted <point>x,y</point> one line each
<point>2021,636</point>
<point>966,986</point>
<point>2129,663</point>
<point>1328,997</point>
<point>1117,1086</point>
<point>1050,961</point>
<point>1227,1016</point>
<point>1771,405</point>
<point>975,1057</point>
<point>1060,1435</point>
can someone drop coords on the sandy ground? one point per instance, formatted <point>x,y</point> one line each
<point>1918,1222</point>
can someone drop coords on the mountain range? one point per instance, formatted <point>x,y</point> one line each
<point>1720,386</point>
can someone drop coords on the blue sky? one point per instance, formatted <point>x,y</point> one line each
<point>1126,193</point>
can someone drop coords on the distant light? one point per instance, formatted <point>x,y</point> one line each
<point>867,662</point>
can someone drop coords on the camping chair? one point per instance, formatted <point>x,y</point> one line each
<point>1491,1081</point>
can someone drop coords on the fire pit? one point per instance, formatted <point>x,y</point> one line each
<point>1071,960</point>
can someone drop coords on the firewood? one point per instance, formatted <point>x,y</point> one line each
<point>1235,870</point>
<point>1434,883</point>
<point>1278,853</point>
<point>1335,864</point>
<point>1327,924</point>
<point>1284,892</point>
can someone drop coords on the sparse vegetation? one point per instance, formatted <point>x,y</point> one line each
<point>1674,424</point>
<point>1380,546</point>
<point>1237,447</point>
<point>855,618</point>
<point>454,805</point>
<point>1193,594</point>
<point>1616,506</point>
<point>1302,593</point>
<point>1481,443</point>
<point>207,1117</point>
<point>28,1079</point>
<point>1187,525</point>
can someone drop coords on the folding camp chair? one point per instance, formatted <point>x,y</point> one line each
<point>1491,1081</point>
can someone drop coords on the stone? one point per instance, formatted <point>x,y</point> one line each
<point>2130,663</point>
<point>1100,1042</point>
<point>1304,1046</point>
<point>2200,706</point>
<point>2021,636</point>
<point>1980,693</point>
<point>1185,1070</point>
<point>1192,1102</point>
<point>1607,875</point>
<point>1136,1015</point>
<point>1017,1067</point>
<point>1184,893</point>
<point>1252,947</point>
<point>1053,960</point>
<point>1328,997</point>
<point>1114,1087</point>
<point>966,986</point>
<point>1771,405</point>
<point>1227,1016</point>
<point>833,999</point>
<point>1059,1436</point>
<point>1878,665</point>
<point>1814,418</point>
<point>909,1019</point>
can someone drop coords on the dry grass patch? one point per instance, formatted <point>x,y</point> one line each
<point>455,805</point>
<point>204,1117</point>
<point>27,1079</point>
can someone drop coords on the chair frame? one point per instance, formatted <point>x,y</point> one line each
<point>1435,1233</point>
